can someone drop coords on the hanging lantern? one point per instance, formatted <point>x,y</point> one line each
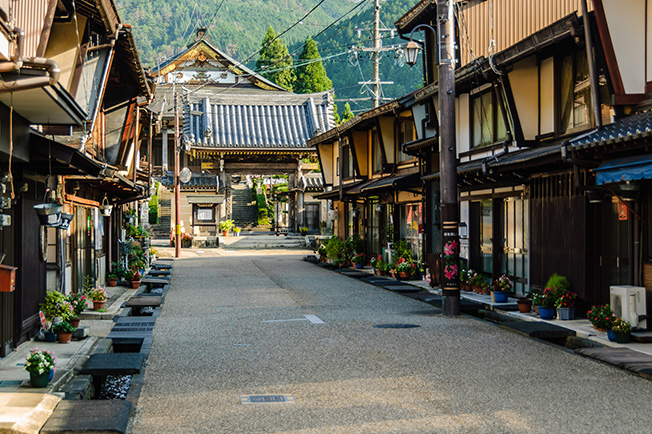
<point>106,208</point>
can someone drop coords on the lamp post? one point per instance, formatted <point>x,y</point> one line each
<point>450,267</point>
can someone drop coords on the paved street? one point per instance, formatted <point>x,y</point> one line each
<point>247,323</point>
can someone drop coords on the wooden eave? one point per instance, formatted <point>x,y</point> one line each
<point>419,14</point>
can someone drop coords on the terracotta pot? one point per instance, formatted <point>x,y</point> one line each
<point>97,305</point>
<point>74,322</point>
<point>112,282</point>
<point>524,305</point>
<point>135,284</point>
<point>225,233</point>
<point>403,275</point>
<point>64,337</point>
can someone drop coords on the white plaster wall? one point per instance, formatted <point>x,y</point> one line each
<point>547,90</point>
<point>463,125</point>
<point>524,82</point>
<point>627,21</point>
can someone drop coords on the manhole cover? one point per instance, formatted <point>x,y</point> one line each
<point>396,326</point>
<point>267,399</point>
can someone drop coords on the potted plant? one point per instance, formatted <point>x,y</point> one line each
<point>322,227</point>
<point>56,309</point>
<point>152,254</point>
<point>112,278</point>
<point>236,231</point>
<point>225,226</point>
<point>321,251</point>
<point>134,277</point>
<point>379,265</point>
<point>40,365</point>
<point>502,285</point>
<point>545,303</point>
<point>565,305</point>
<point>63,331</point>
<point>98,295</point>
<point>186,240</point>
<point>358,260</point>
<point>525,303</point>
<point>621,330</point>
<point>303,230</point>
<point>78,302</point>
<point>404,269</point>
<point>601,317</point>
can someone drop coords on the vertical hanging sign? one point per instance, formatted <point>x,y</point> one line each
<point>451,257</point>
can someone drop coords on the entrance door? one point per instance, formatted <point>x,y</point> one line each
<point>616,233</point>
<point>312,216</point>
<point>517,234</point>
<point>82,245</point>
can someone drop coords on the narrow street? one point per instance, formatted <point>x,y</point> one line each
<point>249,323</point>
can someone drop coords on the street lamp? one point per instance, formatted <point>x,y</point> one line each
<point>412,48</point>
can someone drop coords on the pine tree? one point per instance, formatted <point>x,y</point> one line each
<point>275,63</point>
<point>311,77</point>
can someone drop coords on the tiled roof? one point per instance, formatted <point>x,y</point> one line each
<point>255,120</point>
<point>197,181</point>
<point>634,127</point>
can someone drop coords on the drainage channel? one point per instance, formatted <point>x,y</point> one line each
<point>108,385</point>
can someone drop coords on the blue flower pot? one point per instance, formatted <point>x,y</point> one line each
<point>500,296</point>
<point>546,312</point>
<point>611,335</point>
<point>359,266</point>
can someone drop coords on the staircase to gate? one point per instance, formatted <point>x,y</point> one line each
<point>243,206</point>
<point>164,226</point>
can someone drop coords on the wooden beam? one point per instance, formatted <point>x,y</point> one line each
<point>80,200</point>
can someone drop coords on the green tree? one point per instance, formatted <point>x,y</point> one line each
<point>348,114</point>
<point>311,74</point>
<point>275,63</point>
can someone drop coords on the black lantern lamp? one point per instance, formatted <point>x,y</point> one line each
<point>629,191</point>
<point>412,48</point>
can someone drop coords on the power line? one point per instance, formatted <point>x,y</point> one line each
<point>284,32</point>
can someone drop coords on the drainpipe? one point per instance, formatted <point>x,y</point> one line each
<point>50,65</point>
<point>16,60</point>
<point>595,96</point>
<point>111,42</point>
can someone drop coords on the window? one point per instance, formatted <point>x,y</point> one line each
<point>376,152</point>
<point>574,94</point>
<point>406,133</point>
<point>488,120</point>
<point>347,161</point>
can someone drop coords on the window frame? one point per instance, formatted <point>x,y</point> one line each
<point>497,114</point>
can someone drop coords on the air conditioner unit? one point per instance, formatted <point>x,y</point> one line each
<point>628,302</point>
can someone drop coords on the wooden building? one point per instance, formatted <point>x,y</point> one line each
<point>233,123</point>
<point>70,90</point>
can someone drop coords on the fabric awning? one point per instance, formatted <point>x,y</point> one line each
<point>624,169</point>
<point>206,199</point>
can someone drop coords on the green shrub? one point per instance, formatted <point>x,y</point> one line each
<point>559,285</point>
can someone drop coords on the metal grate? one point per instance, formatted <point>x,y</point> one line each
<point>10,383</point>
<point>267,399</point>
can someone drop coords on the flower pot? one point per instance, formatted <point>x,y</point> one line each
<point>74,322</point>
<point>112,282</point>
<point>40,380</point>
<point>186,244</point>
<point>225,233</point>
<point>403,275</point>
<point>97,305</point>
<point>359,266</point>
<point>499,296</point>
<point>49,336</point>
<point>524,305</point>
<point>622,338</point>
<point>135,284</point>
<point>64,337</point>
<point>566,313</point>
<point>611,335</point>
<point>379,272</point>
<point>546,312</point>
<point>599,329</point>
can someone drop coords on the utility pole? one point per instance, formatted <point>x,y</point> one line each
<point>375,54</point>
<point>450,212</point>
<point>177,182</point>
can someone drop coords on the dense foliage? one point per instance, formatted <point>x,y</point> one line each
<point>164,28</point>
<point>311,75</point>
<point>275,63</point>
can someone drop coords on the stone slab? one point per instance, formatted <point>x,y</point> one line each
<point>375,280</point>
<point>621,357</point>
<point>154,281</point>
<point>154,272</point>
<point>356,274</point>
<point>538,329</point>
<point>145,300</point>
<point>89,416</point>
<point>135,320</point>
<point>113,364</point>
<point>402,288</point>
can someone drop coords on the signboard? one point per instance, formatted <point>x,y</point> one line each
<point>623,211</point>
<point>207,165</point>
<point>309,166</point>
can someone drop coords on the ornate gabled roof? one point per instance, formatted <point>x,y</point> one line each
<point>202,63</point>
